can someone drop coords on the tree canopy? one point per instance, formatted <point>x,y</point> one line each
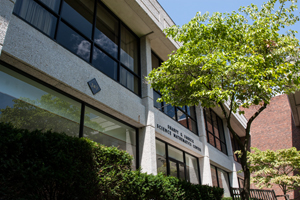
<point>232,60</point>
<point>275,167</point>
<point>239,56</point>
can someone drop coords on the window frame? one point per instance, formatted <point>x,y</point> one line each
<point>208,133</point>
<point>177,161</point>
<point>60,20</point>
<point>217,175</point>
<point>83,105</point>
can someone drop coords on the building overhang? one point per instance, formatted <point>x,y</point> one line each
<point>146,17</point>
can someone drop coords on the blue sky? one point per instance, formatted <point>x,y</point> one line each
<point>182,11</point>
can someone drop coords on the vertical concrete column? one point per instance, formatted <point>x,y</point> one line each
<point>6,8</point>
<point>233,175</point>
<point>204,161</point>
<point>147,148</point>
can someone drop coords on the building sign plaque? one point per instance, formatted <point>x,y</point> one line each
<point>94,86</point>
<point>179,136</point>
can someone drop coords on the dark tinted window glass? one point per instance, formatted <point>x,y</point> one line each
<point>155,61</point>
<point>220,123</point>
<point>53,4</point>
<point>128,80</point>
<point>105,64</point>
<point>170,110</point>
<point>74,42</point>
<point>214,176</point>
<point>129,50</point>
<point>191,111</point>
<point>192,125</point>
<point>106,32</point>
<point>155,97</point>
<point>79,15</point>
<point>37,16</point>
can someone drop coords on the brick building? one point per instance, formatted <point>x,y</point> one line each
<point>275,128</point>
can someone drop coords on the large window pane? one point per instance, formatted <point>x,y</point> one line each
<point>181,171</point>
<point>191,111</point>
<point>173,168</point>
<point>224,182</point>
<point>74,42</point>
<point>169,110</point>
<point>129,80</point>
<point>129,50</point>
<point>192,169</point>
<point>37,16</point>
<point>175,153</point>
<point>105,64</point>
<point>161,157</point>
<point>155,61</point>
<point>109,132</point>
<point>79,15</point>
<point>30,105</point>
<point>214,176</point>
<point>192,125</point>
<point>106,31</point>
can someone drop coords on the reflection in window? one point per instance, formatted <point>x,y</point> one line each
<point>30,105</point>
<point>220,179</point>
<point>129,49</point>
<point>161,157</point>
<point>74,42</point>
<point>79,15</point>
<point>214,130</point>
<point>177,163</point>
<point>109,132</point>
<point>105,64</point>
<point>115,47</point>
<point>106,31</point>
<point>192,169</point>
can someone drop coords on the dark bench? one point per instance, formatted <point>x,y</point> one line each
<point>256,194</point>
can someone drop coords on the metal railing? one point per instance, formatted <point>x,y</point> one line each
<point>256,194</point>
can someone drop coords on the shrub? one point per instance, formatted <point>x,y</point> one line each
<point>48,165</point>
<point>53,166</point>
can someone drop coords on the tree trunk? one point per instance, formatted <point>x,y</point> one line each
<point>245,194</point>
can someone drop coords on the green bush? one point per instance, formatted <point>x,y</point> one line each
<point>48,165</point>
<point>53,166</point>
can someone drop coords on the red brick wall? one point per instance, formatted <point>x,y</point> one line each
<point>274,129</point>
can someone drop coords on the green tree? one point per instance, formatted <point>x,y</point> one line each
<point>232,60</point>
<point>275,167</point>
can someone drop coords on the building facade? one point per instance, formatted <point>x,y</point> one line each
<point>79,66</point>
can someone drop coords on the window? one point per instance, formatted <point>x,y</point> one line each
<point>235,147</point>
<point>241,182</point>
<point>174,162</point>
<point>220,178</point>
<point>30,105</point>
<point>214,130</point>
<point>89,30</point>
<point>185,115</point>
